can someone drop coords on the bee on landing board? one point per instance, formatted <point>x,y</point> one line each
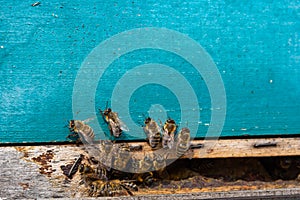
<point>121,156</point>
<point>111,188</point>
<point>183,142</point>
<point>169,130</point>
<point>115,125</point>
<point>90,174</point>
<point>153,133</point>
<point>144,178</point>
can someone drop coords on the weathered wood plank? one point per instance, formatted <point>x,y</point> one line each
<point>245,148</point>
<point>35,171</point>
<point>228,148</point>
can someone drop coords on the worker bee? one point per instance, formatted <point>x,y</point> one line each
<point>183,142</point>
<point>121,157</point>
<point>159,162</point>
<point>90,174</point>
<point>159,165</point>
<point>111,188</point>
<point>169,130</point>
<point>106,152</point>
<point>285,162</point>
<point>85,132</point>
<point>115,125</point>
<point>143,165</point>
<point>144,178</point>
<point>153,132</point>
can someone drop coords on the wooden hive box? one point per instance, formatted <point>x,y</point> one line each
<point>227,70</point>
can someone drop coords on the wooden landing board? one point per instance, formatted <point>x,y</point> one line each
<point>245,148</point>
<point>228,148</point>
<point>35,172</point>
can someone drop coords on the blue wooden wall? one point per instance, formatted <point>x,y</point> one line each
<point>254,44</point>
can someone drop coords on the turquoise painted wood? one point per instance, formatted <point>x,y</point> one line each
<point>254,44</point>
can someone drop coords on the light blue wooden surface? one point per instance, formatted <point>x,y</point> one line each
<point>255,45</point>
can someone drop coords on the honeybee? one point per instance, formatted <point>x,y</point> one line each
<point>121,157</point>
<point>90,174</point>
<point>285,162</point>
<point>159,162</point>
<point>169,130</point>
<point>144,178</point>
<point>153,132</point>
<point>106,152</point>
<point>143,165</point>
<point>111,188</point>
<point>115,125</point>
<point>85,132</point>
<point>183,142</point>
<point>159,165</point>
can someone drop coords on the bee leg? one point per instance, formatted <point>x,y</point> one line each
<point>127,190</point>
<point>72,135</point>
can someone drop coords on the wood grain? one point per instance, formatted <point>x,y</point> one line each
<point>35,171</point>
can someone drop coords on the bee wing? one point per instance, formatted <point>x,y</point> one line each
<point>88,120</point>
<point>123,126</point>
<point>85,138</point>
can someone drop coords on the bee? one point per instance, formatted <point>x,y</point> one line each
<point>153,132</point>
<point>142,169</point>
<point>121,157</point>
<point>142,165</point>
<point>85,132</point>
<point>159,162</point>
<point>111,188</point>
<point>90,173</point>
<point>285,162</point>
<point>169,130</point>
<point>115,125</point>
<point>144,178</point>
<point>159,165</point>
<point>106,152</point>
<point>183,142</point>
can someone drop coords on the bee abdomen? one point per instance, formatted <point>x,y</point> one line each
<point>154,140</point>
<point>167,141</point>
<point>87,133</point>
<point>181,149</point>
<point>130,186</point>
<point>90,133</point>
<point>146,178</point>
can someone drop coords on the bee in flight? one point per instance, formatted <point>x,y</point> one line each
<point>115,125</point>
<point>169,130</point>
<point>183,142</point>
<point>79,128</point>
<point>153,132</point>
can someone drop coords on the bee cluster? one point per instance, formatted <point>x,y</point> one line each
<point>113,168</point>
